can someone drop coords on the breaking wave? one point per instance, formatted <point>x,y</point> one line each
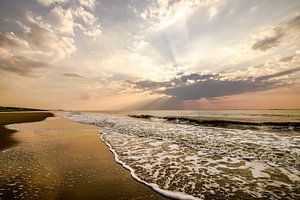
<point>186,161</point>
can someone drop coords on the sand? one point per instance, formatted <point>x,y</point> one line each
<point>6,139</point>
<point>60,159</point>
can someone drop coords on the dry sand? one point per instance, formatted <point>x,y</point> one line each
<point>60,159</point>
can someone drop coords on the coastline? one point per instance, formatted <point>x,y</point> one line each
<point>205,162</point>
<point>60,159</point>
<point>6,136</point>
<point>155,187</point>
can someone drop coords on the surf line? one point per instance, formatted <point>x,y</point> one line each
<point>155,187</point>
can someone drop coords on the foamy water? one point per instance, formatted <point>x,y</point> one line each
<point>185,161</point>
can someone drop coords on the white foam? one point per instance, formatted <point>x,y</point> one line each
<point>155,187</point>
<point>257,169</point>
<point>190,160</point>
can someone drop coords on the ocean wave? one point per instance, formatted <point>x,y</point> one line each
<point>234,123</point>
<point>184,161</point>
<point>155,187</point>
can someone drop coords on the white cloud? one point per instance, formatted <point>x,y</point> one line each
<point>39,46</point>
<point>18,64</point>
<point>47,38</point>
<point>140,65</point>
<point>213,8</point>
<point>64,20</point>
<point>164,13</point>
<point>88,3</point>
<point>50,2</point>
<point>61,19</point>
<point>87,22</point>
<point>46,41</point>
<point>269,67</point>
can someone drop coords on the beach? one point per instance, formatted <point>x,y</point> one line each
<point>186,156</point>
<point>6,139</point>
<point>98,155</point>
<point>150,100</point>
<point>60,159</point>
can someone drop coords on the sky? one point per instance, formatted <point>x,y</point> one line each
<point>150,54</point>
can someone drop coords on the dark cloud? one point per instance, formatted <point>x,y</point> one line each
<point>286,72</point>
<point>147,84</point>
<point>217,88</point>
<point>178,81</point>
<point>73,75</point>
<point>268,42</point>
<point>212,85</point>
<point>279,32</point>
<point>287,58</point>
<point>197,77</point>
<point>20,65</point>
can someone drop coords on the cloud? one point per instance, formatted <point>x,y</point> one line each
<point>88,3</point>
<point>38,46</point>
<point>61,19</point>
<point>279,74</point>
<point>197,86</point>
<point>51,2</point>
<point>164,13</point>
<point>47,38</point>
<point>73,75</point>
<point>147,84</point>
<point>66,20</point>
<point>277,34</point>
<point>42,38</point>
<point>11,41</point>
<point>287,58</point>
<point>268,42</point>
<point>87,22</point>
<point>217,88</point>
<point>294,22</point>
<point>18,64</point>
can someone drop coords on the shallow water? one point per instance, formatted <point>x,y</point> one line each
<point>251,115</point>
<point>205,162</point>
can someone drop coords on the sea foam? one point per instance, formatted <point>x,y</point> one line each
<point>184,161</point>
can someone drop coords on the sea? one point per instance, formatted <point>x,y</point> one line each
<point>206,154</point>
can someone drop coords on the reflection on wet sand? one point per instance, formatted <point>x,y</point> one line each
<point>59,159</point>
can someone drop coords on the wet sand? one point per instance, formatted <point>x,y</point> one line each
<point>60,159</point>
<point>6,135</point>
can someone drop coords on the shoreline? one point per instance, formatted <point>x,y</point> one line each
<point>169,155</point>
<point>155,187</point>
<point>6,118</point>
<point>61,159</point>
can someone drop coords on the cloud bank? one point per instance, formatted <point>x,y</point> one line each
<point>197,86</point>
